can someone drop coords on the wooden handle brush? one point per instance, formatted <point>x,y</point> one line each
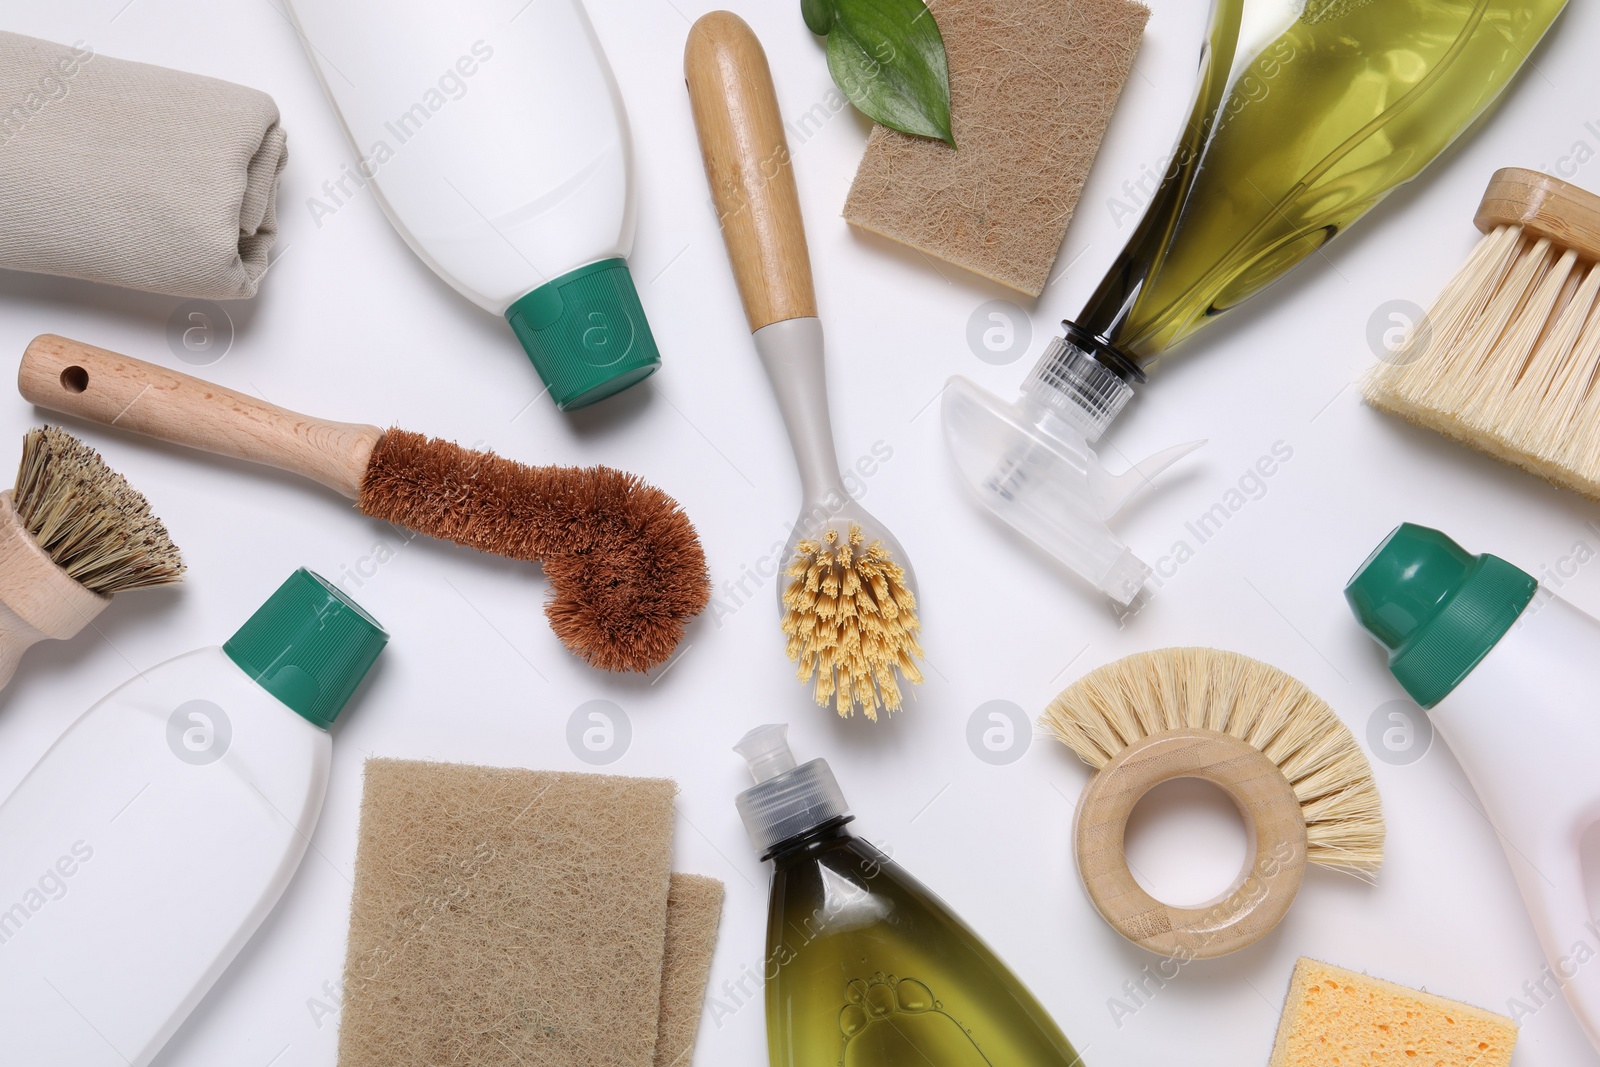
<point>72,533</point>
<point>849,604</point>
<point>626,570</point>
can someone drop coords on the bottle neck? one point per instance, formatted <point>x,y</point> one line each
<point>807,843</point>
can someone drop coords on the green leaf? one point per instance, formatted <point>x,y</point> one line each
<point>818,15</point>
<point>887,57</point>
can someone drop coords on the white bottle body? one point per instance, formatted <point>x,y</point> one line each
<point>493,136</point>
<point>140,854</point>
<point>1525,726</point>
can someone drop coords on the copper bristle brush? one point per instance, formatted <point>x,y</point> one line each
<point>626,569</point>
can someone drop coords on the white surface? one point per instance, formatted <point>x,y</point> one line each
<point>351,325</point>
<point>455,91</point>
<point>155,837</point>
<point>1545,667</point>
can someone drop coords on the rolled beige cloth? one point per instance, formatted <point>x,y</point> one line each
<point>134,175</point>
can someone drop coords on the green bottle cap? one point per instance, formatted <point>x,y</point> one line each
<point>1436,608</point>
<point>309,645</point>
<point>586,333</point>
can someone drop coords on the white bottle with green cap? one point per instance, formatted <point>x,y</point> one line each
<point>493,136</point>
<point>146,846</point>
<point>1512,675</point>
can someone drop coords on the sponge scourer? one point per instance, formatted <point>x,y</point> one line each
<point>1033,84</point>
<point>1337,1018</point>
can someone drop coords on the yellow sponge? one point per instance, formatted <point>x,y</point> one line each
<point>1337,1018</point>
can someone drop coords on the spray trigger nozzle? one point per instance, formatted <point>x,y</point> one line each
<point>1111,492</point>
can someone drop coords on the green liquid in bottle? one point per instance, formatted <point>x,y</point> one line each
<point>1296,133</point>
<point>867,968</point>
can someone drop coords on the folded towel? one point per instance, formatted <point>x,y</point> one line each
<point>132,174</point>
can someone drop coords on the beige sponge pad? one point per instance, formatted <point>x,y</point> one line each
<point>506,917</point>
<point>1337,1018</point>
<point>1033,84</point>
<point>694,909</point>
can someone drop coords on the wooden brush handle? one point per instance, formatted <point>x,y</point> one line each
<point>1544,207</point>
<point>115,390</point>
<point>748,165</point>
<point>1265,888</point>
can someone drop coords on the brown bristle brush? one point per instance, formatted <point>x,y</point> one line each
<point>75,533</point>
<point>626,569</point>
<point>1507,362</point>
<point>1291,766</point>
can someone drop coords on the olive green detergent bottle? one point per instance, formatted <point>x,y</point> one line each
<point>865,966</point>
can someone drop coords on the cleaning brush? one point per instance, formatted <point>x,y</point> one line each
<point>1508,361</point>
<point>1290,764</point>
<point>848,602</point>
<point>626,569</point>
<point>75,534</point>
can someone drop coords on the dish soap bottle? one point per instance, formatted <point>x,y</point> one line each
<point>1510,671</point>
<point>142,851</point>
<point>865,967</point>
<point>1307,114</point>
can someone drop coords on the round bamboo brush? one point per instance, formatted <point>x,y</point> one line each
<point>74,533</point>
<point>848,598</point>
<point>1293,768</point>
<point>626,569</point>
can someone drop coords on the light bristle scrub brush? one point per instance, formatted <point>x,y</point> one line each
<point>1291,766</point>
<point>75,533</point>
<point>1506,361</point>
<point>848,596</point>
<point>626,570</point>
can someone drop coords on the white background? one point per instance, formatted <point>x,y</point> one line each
<point>350,325</point>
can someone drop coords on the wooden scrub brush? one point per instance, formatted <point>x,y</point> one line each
<point>626,570</point>
<point>1297,775</point>
<point>847,596</point>
<point>75,533</point>
<point>1507,359</point>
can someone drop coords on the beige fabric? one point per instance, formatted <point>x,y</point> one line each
<point>506,917</point>
<point>694,908</point>
<point>1033,84</point>
<point>132,174</point>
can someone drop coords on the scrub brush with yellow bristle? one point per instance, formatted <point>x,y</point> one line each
<point>849,599</point>
<point>1508,359</point>
<point>75,532</point>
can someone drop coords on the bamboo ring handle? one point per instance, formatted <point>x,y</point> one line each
<point>130,394</point>
<point>1544,207</point>
<point>747,163</point>
<point>1267,884</point>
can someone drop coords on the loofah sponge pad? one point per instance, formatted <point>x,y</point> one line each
<point>1033,84</point>
<point>1333,1016</point>
<point>694,908</point>
<point>506,917</point>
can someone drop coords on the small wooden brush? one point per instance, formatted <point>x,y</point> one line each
<point>1506,361</point>
<point>849,614</point>
<point>1288,762</point>
<point>75,533</point>
<point>626,569</point>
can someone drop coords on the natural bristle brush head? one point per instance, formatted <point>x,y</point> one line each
<point>626,569</point>
<point>88,519</point>
<point>1292,767</point>
<point>850,614</point>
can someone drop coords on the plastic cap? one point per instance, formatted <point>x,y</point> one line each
<point>1438,609</point>
<point>309,645</point>
<point>786,800</point>
<point>1078,387</point>
<point>586,333</point>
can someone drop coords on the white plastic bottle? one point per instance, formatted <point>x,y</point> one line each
<point>149,842</point>
<point>1512,675</point>
<point>495,139</point>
